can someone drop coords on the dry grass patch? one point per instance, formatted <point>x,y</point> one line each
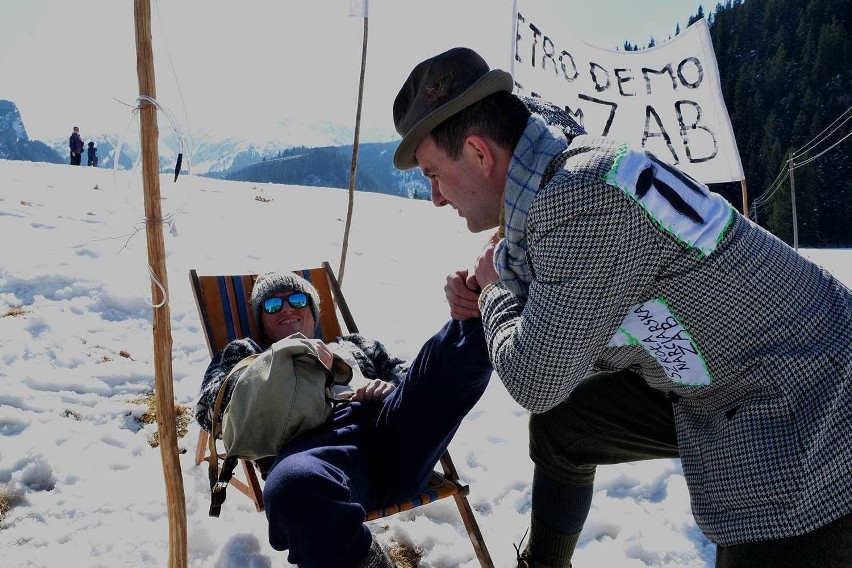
<point>15,312</point>
<point>7,501</point>
<point>182,413</point>
<point>404,555</point>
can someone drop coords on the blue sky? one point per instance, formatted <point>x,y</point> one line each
<point>233,66</point>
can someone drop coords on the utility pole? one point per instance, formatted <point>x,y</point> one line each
<point>790,164</point>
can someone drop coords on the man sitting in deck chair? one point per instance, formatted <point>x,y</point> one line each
<point>378,450</point>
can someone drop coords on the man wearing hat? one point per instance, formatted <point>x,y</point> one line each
<point>638,316</point>
<point>378,450</point>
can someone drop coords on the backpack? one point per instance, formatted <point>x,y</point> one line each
<point>278,395</point>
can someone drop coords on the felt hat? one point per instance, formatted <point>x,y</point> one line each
<point>437,89</point>
<point>275,283</point>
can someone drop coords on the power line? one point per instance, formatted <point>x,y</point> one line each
<point>767,195</point>
<point>809,160</point>
<point>789,165</point>
<point>814,140</point>
<point>762,198</point>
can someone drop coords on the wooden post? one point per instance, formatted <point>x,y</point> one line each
<point>166,421</point>
<point>354,165</point>
<point>745,197</point>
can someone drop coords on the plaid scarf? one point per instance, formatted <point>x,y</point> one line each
<point>538,146</point>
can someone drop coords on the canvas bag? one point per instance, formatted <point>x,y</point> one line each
<point>279,394</point>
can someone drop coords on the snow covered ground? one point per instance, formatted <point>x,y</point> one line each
<point>84,486</point>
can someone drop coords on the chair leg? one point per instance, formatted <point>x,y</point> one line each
<point>255,493</point>
<point>201,446</point>
<point>251,488</point>
<point>466,512</point>
<point>473,532</point>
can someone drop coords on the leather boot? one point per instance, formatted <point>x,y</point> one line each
<point>555,548</point>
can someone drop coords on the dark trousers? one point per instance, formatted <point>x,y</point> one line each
<point>320,488</point>
<point>76,159</point>
<point>616,418</point>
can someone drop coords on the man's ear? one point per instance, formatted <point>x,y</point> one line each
<point>480,149</point>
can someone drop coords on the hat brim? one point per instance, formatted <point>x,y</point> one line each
<point>490,83</point>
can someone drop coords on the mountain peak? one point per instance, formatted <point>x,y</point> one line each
<point>10,121</point>
<point>14,142</point>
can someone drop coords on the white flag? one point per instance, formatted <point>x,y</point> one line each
<point>360,8</point>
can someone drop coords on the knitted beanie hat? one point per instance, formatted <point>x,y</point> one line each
<point>274,283</point>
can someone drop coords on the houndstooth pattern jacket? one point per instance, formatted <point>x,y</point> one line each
<point>634,265</point>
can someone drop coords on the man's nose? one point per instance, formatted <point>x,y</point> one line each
<point>438,200</point>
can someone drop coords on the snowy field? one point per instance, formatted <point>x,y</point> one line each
<point>82,484</point>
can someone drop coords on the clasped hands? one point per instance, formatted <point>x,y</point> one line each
<point>464,286</point>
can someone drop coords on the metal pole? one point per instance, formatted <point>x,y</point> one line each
<point>790,164</point>
<point>163,387</point>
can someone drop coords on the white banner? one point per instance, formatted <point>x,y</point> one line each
<point>667,99</point>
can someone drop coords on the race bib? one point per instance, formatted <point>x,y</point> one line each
<point>655,328</point>
<point>678,204</point>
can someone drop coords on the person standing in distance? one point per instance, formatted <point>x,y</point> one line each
<point>93,155</point>
<point>75,143</point>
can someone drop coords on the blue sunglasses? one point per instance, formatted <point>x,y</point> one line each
<point>275,304</point>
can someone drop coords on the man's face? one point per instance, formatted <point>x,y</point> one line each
<point>461,184</point>
<point>285,320</point>
<point>76,130</point>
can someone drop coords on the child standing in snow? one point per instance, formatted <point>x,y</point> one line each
<point>93,155</point>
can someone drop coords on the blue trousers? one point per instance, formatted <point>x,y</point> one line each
<point>373,454</point>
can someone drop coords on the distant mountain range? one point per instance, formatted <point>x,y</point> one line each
<point>14,142</point>
<point>330,166</point>
<point>268,161</point>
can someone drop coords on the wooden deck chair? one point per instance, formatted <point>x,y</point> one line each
<point>224,306</point>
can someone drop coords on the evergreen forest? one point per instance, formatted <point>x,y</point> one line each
<point>786,73</point>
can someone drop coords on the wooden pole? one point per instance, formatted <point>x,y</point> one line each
<point>354,165</point>
<point>745,198</point>
<point>166,420</point>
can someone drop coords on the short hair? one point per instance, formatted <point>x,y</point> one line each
<point>501,116</point>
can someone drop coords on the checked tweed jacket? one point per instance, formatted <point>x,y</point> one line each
<point>629,263</point>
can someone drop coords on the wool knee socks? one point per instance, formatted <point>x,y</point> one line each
<point>558,513</point>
